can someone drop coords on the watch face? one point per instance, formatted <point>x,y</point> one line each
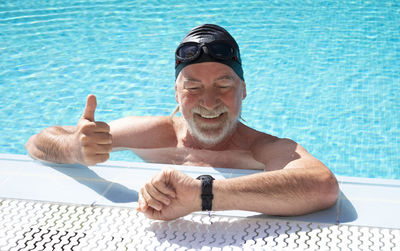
<point>205,177</point>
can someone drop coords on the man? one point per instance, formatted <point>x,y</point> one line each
<point>209,90</point>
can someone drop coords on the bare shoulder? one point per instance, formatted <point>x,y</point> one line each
<point>143,132</point>
<point>275,146</point>
<point>276,152</point>
<point>255,138</point>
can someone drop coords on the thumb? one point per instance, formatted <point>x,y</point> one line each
<point>90,108</point>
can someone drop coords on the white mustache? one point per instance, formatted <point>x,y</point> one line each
<point>210,114</point>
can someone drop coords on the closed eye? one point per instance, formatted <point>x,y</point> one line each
<point>224,86</point>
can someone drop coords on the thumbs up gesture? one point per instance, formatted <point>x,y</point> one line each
<point>94,141</point>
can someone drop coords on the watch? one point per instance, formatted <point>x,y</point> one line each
<point>206,192</point>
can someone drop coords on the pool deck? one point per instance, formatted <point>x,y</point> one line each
<point>362,202</point>
<point>371,203</point>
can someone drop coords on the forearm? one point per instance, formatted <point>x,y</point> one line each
<point>54,144</point>
<point>283,192</point>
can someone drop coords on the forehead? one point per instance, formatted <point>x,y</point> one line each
<point>206,71</point>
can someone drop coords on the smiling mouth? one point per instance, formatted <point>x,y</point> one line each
<point>210,117</point>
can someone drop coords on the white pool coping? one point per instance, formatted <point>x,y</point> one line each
<point>363,201</point>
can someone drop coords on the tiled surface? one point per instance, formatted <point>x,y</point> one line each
<point>29,225</point>
<point>363,202</point>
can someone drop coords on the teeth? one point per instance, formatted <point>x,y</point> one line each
<point>210,116</point>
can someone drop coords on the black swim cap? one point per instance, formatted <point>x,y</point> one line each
<point>208,33</point>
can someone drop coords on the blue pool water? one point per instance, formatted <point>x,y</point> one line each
<point>324,73</point>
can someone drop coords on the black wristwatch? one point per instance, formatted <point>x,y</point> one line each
<point>206,192</point>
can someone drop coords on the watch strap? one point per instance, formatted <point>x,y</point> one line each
<point>206,192</point>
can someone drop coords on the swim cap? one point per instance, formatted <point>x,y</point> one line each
<point>204,35</point>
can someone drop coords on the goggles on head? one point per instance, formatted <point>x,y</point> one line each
<point>191,51</point>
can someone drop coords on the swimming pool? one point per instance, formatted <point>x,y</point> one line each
<point>325,74</point>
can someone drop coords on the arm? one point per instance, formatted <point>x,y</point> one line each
<point>143,132</point>
<point>87,143</point>
<point>90,141</point>
<point>294,182</point>
<point>283,192</point>
<point>54,144</point>
<point>302,186</point>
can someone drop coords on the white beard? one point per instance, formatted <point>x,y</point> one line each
<point>211,134</point>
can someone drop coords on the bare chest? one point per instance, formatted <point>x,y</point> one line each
<point>238,159</point>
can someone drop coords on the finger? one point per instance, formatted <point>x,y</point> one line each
<point>103,138</point>
<point>151,213</point>
<point>94,159</point>
<point>100,138</point>
<point>150,201</point>
<point>156,194</point>
<point>90,108</point>
<point>161,182</point>
<point>142,203</point>
<point>103,149</point>
<point>101,127</point>
<point>92,127</point>
<point>99,158</point>
<point>86,126</point>
<point>96,149</point>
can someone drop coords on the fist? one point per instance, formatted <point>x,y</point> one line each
<point>94,141</point>
<point>170,194</point>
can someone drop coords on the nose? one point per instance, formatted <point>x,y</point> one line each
<point>210,99</point>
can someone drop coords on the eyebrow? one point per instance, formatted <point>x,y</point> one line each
<point>226,76</point>
<point>190,79</point>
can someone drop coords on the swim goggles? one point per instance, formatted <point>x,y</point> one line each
<point>218,50</point>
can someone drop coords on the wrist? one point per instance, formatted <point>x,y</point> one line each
<point>197,196</point>
<point>73,148</point>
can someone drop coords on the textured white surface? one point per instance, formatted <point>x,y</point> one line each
<point>33,225</point>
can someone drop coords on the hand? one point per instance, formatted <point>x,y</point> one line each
<point>93,139</point>
<point>170,194</point>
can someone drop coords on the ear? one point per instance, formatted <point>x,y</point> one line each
<point>176,93</point>
<point>244,90</point>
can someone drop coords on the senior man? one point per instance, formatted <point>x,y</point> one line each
<point>209,90</point>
